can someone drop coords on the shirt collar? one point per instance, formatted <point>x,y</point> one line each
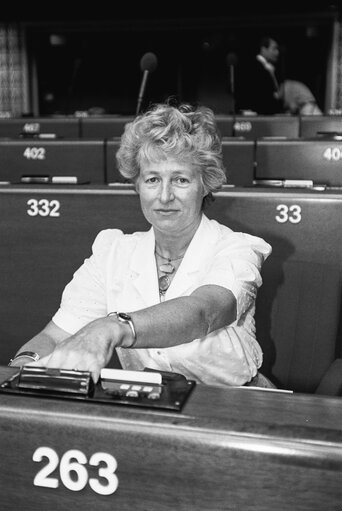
<point>267,65</point>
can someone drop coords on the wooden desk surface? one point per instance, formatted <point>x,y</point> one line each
<point>228,449</point>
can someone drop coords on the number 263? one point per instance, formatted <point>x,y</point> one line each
<point>73,472</point>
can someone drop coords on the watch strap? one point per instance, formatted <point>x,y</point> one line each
<point>124,317</point>
<point>25,354</point>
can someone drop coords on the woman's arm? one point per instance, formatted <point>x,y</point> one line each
<point>43,343</point>
<point>170,323</point>
<point>183,319</point>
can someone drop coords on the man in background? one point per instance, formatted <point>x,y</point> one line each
<point>259,89</point>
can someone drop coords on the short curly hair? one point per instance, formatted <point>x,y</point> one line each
<point>184,132</point>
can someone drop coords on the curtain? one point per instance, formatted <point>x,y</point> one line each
<point>13,71</point>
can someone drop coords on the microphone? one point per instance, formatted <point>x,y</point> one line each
<point>148,64</point>
<point>231,60</point>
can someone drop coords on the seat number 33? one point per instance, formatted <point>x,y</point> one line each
<point>286,213</point>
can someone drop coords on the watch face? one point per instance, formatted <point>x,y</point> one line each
<point>124,316</point>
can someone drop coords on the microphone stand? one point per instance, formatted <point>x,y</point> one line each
<point>232,86</point>
<point>141,92</point>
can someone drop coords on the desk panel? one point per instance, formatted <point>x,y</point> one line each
<point>45,235</point>
<point>104,127</point>
<point>225,124</point>
<point>311,125</point>
<point>114,125</point>
<point>299,304</point>
<point>319,160</point>
<point>228,449</point>
<point>238,159</point>
<point>299,224</point>
<point>255,126</point>
<point>112,173</point>
<point>82,160</point>
<point>66,127</point>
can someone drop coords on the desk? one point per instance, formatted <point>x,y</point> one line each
<point>106,126</point>
<point>300,224</point>
<point>47,159</point>
<point>229,449</point>
<point>60,126</point>
<point>255,126</point>
<point>311,125</point>
<point>298,306</point>
<point>46,232</point>
<point>316,159</point>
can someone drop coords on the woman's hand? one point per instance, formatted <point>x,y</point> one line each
<point>90,349</point>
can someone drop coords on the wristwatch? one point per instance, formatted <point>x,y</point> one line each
<point>126,318</point>
<point>25,354</point>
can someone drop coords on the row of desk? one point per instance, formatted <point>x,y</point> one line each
<point>267,160</point>
<point>228,449</point>
<point>47,231</point>
<point>108,126</point>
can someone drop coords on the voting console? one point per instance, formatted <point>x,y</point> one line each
<point>226,449</point>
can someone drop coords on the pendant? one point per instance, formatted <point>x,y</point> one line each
<point>167,268</point>
<point>164,283</point>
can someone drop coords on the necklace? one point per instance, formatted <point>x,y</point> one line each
<point>166,268</point>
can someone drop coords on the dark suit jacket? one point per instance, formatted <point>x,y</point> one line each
<point>255,90</point>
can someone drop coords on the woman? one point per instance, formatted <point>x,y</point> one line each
<point>185,289</point>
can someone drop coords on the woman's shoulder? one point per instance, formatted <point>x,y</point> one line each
<point>109,237</point>
<point>237,239</point>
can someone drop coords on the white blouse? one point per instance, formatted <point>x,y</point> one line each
<point>121,275</point>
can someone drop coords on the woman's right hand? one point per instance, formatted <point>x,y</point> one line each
<point>89,349</point>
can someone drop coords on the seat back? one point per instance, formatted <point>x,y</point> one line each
<point>298,321</point>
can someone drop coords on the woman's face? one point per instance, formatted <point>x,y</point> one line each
<point>171,195</point>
